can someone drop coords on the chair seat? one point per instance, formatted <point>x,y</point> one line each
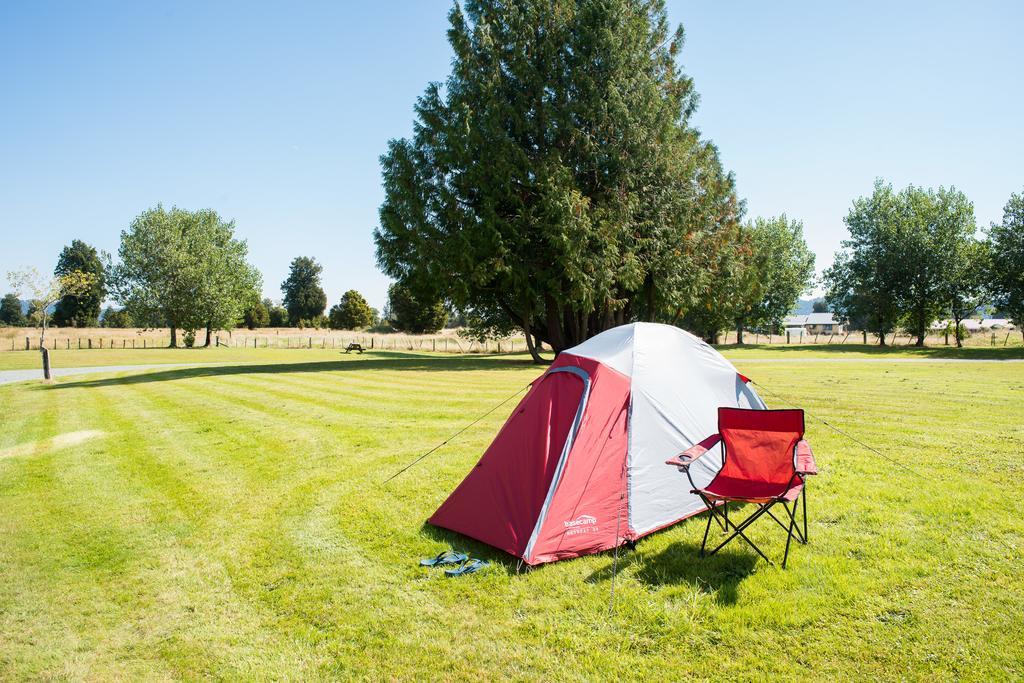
<point>729,488</point>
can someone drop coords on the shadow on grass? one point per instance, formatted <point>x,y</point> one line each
<point>943,352</point>
<point>680,563</point>
<point>394,361</point>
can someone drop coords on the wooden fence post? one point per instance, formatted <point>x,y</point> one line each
<point>27,343</point>
<point>90,342</point>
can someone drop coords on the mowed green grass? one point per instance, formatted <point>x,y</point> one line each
<point>233,523</point>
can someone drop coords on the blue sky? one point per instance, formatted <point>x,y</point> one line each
<point>275,114</point>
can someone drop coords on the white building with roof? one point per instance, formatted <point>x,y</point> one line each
<point>814,323</point>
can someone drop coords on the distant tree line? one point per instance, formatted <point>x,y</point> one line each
<point>187,270</point>
<point>915,256</point>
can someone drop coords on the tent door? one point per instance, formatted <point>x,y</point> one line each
<point>570,438</point>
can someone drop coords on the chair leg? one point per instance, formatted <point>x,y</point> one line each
<point>711,513</point>
<point>804,495</point>
<point>789,537</point>
<point>739,532</point>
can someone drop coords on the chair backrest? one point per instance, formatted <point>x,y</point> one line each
<point>759,443</point>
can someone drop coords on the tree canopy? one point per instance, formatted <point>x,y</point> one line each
<point>304,297</point>
<point>257,314</point>
<point>44,292</point>
<point>554,182</point>
<point>1006,272</point>
<point>905,259</point>
<point>936,232</point>
<point>409,312</point>
<point>278,314</point>
<point>351,313</point>
<point>82,310</point>
<point>10,311</point>
<point>184,269</point>
<point>115,318</point>
<point>779,268</point>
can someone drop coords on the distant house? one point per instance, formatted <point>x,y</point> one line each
<point>813,323</point>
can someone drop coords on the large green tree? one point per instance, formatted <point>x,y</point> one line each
<point>351,313</point>
<point>1006,270</point>
<point>304,297</point>
<point>409,312</point>
<point>864,282</point>
<point>10,311</point>
<point>904,260</point>
<point>553,182</point>
<point>933,228</point>
<point>964,281</point>
<point>183,269</point>
<point>82,310</point>
<point>230,285</point>
<point>779,268</point>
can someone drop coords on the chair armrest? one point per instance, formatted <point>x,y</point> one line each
<point>694,452</point>
<point>805,458</point>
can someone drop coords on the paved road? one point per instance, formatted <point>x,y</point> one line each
<point>8,376</point>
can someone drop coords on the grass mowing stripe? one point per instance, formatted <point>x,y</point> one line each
<point>302,569</point>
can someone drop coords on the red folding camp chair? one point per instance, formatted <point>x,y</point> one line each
<point>765,461</point>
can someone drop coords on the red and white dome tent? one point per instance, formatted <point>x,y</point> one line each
<point>579,466</point>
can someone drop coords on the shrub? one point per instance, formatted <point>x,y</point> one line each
<point>278,316</point>
<point>115,318</point>
<point>257,315</point>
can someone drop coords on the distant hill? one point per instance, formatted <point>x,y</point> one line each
<point>26,305</point>
<point>805,306</point>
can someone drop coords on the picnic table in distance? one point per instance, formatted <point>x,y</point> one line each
<point>354,346</point>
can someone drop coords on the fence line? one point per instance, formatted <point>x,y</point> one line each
<point>456,345</point>
<point>369,342</point>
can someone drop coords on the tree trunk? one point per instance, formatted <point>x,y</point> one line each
<point>554,323</point>
<point>881,338</point>
<point>209,335</point>
<point>956,332</point>
<point>531,345</point>
<point>739,332</point>
<point>46,361</point>
<point>922,327</point>
<point>174,338</point>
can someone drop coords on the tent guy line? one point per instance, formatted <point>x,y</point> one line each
<point>438,446</point>
<point>852,438</point>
